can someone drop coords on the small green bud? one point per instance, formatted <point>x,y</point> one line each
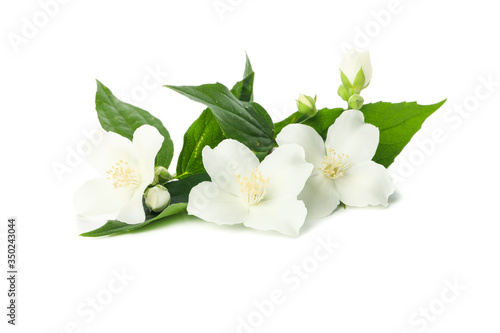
<point>162,176</point>
<point>307,105</point>
<point>157,198</point>
<point>355,102</point>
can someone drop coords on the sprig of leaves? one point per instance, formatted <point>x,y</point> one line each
<point>206,130</point>
<point>246,122</point>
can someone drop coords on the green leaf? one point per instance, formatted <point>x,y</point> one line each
<point>397,124</point>
<point>320,122</point>
<point>294,118</point>
<point>246,122</point>
<point>115,227</point>
<point>122,118</point>
<point>205,131</point>
<point>323,119</point>
<point>179,189</point>
<point>243,90</point>
<point>252,107</point>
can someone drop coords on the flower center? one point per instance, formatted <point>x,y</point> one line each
<point>253,188</point>
<point>122,175</point>
<point>335,165</point>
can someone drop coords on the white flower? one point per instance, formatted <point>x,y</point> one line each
<point>343,166</point>
<point>353,62</point>
<point>127,168</point>
<point>157,198</point>
<point>260,195</point>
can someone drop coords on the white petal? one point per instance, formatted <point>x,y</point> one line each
<point>287,171</point>
<point>364,59</point>
<point>112,149</point>
<point>133,211</point>
<point>228,159</point>
<point>350,65</point>
<point>352,136</point>
<point>285,215</point>
<point>98,197</point>
<point>319,195</point>
<point>306,137</point>
<point>147,142</point>
<point>365,184</point>
<point>210,203</point>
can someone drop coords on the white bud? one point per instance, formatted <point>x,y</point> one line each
<point>353,62</point>
<point>157,198</point>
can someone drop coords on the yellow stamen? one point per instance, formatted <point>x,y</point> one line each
<point>253,188</point>
<point>123,175</point>
<point>335,165</point>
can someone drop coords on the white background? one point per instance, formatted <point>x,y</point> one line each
<point>194,276</point>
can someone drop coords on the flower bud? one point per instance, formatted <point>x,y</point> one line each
<point>162,175</point>
<point>356,69</point>
<point>157,198</point>
<point>307,105</point>
<point>356,102</point>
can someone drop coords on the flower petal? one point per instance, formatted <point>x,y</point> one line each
<point>365,184</point>
<point>285,215</point>
<point>211,203</point>
<point>319,195</point>
<point>366,64</point>
<point>133,211</point>
<point>112,149</point>
<point>147,142</point>
<point>306,137</point>
<point>352,136</point>
<point>287,171</point>
<point>99,197</point>
<point>228,159</point>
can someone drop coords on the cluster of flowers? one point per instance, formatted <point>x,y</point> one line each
<point>303,177</point>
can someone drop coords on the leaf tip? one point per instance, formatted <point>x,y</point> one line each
<point>174,88</point>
